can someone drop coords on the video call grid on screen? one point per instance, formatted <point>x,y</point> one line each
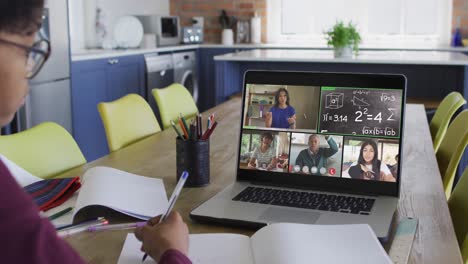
<point>340,120</point>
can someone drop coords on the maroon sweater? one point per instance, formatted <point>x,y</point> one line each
<point>28,238</point>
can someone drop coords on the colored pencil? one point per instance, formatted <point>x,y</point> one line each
<point>60,213</point>
<point>176,130</point>
<point>184,122</point>
<point>210,131</point>
<point>183,129</point>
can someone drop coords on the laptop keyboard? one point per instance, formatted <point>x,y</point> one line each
<point>309,200</point>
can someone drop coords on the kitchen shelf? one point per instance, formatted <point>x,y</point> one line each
<point>257,101</point>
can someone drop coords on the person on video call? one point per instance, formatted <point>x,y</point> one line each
<point>368,166</point>
<point>264,156</point>
<point>314,155</point>
<point>282,114</point>
<point>394,168</point>
<point>26,236</point>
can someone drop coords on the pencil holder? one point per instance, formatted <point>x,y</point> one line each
<point>193,156</point>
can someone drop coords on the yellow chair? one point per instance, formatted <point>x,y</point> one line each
<point>464,250</point>
<point>458,205</point>
<point>172,101</point>
<point>451,150</point>
<point>442,116</point>
<point>44,150</point>
<point>126,120</point>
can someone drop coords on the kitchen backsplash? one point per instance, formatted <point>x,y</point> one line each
<point>211,10</point>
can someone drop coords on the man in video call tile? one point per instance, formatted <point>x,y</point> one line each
<point>314,156</point>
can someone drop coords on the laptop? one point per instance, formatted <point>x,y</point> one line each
<point>315,148</point>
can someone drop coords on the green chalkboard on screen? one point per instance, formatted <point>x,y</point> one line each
<point>360,111</point>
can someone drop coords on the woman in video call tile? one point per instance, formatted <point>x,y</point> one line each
<point>281,115</point>
<point>369,167</point>
<point>264,156</point>
<point>315,156</point>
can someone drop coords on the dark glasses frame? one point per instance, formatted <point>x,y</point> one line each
<point>32,50</point>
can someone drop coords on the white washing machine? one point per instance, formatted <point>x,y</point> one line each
<point>185,65</point>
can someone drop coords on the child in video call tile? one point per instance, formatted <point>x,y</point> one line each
<point>369,167</point>
<point>264,156</point>
<point>314,156</point>
<point>281,115</point>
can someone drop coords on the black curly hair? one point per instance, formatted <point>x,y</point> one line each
<point>267,135</point>
<point>22,17</point>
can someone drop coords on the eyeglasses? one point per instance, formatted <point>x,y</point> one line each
<point>37,55</point>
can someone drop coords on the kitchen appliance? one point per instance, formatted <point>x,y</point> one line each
<point>166,28</point>
<point>185,72</point>
<point>49,98</point>
<point>198,21</point>
<point>159,74</point>
<point>149,41</point>
<point>192,35</point>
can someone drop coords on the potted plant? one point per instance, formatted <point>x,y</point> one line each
<point>344,39</point>
<point>227,23</point>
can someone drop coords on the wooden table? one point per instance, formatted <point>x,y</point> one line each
<point>422,195</point>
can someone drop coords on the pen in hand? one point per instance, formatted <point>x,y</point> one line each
<point>172,200</point>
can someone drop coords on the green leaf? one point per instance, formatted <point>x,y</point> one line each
<point>341,35</point>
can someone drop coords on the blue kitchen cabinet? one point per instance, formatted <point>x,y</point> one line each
<point>95,81</point>
<point>125,75</point>
<point>207,77</point>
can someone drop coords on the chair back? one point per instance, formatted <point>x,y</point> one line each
<point>451,150</point>
<point>464,250</point>
<point>458,205</point>
<point>172,101</point>
<point>443,115</point>
<point>44,150</point>
<point>127,120</point>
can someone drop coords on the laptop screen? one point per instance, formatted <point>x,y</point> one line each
<point>338,131</point>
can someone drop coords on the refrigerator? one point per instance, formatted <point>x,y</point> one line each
<point>49,97</point>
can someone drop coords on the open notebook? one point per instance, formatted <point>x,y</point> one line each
<point>278,244</point>
<point>104,189</point>
<point>107,190</point>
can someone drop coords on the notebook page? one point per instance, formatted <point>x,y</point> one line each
<point>204,249</point>
<point>220,248</point>
<point>304,244</point>
<point>122,191</point>
<point>21,175</point>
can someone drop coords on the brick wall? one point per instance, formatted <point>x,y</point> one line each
<point>460,10</point>
<point>211,10</point>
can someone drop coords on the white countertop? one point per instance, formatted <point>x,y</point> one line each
<point>90,54</point>
<point>376,57</point>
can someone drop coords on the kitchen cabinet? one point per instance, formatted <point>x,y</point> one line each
<point>209,95</point>
<point>102,80</point>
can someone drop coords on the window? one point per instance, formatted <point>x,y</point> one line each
<point>382,23</point>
